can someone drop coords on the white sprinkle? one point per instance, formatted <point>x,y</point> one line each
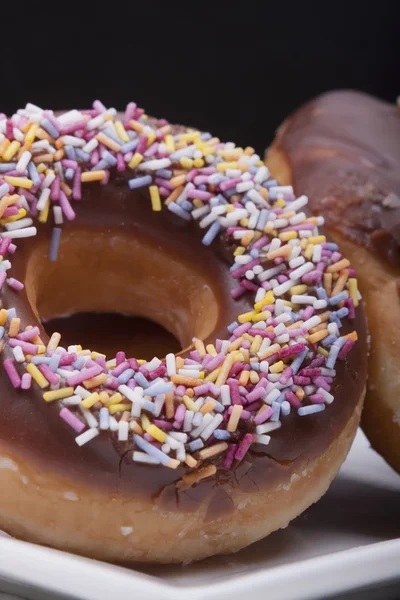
<point>114,425</point>
<point>177,435</point>
<point>298,273</point>
<point>244,186</point>
<point>302,299</point>
<point>48,180</point>
<point>86,436</point>
<point>296,261</point>
<point>271,397</point>
<point>297,219</point>
<point>20,224</point>
<point>72,401</point>
<point>104,418</point>
<point>71,140</point>
<point>142,457</point>
<point>171,364</point>
<point>263,439</point>
<point>269,273</point>
<point>20,233</point>
<point>312,322</point>
<point>67,118</point>
<point>23,161</point>
<point>123,429</point>
<point>225,395</point>
<point>44,196</point>
<point>261,175</point>
<point>317,253</point>
<point>279,290</point>
<point>153,364</point>
<point>153,165</point>
<point>18,354</point>
<point>89,417</point>
<point>318,304</point>
<point>208,431</point>
<point>58,215</point>
<point>328,398</point>
<point>297,204</point>
<point>268,427</point>
<point>126,531</point>
<point>81,391</point>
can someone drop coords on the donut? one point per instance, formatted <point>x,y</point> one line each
<point>343,150</point>
<point>193,454</point>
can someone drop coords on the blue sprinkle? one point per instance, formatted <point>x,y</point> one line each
<point>129,146</point>
<point>50,128</point>
<point>138,182</point>
<point>54,244</point>
<point>338,298</point>
<point>212,233</point>
<point>40,360</point>
<point>78,364</point>
<point>110,133</point>
<point>111,160</point>
<point>342,312</point>
<point>221,434</point>
<point>254,253</point>
<point>197,419</point>
<point>333,354</point>
<point>11,314</point>
<point>255,366</point>
<point>235,267</point>
<point>4,189</point>
<point>151,450</point>
<point>321,293</point>
<point>205,136</point>
<point>309,410</point>
<point>132,134</point>
<point>141,380</point>
<point>164,173</point>
<point>276,407</point>
<point>69,173</point>
<point>55,361</point>
<point>2,331</point>
<point>69,151</point>
<point>196,445</point>
<point>159,388</point>
<point>33,174</point>
<point>219,407</point>
<point>285,408</point>
<point>186,205</point>
<point>270,183</point>
<point>232,326</point>
<point>177,210</point>
<point>150,406</point>
<point>331,246</point>
<point>85,156</point>
<point>5,167</point>
<point>102,164</point>
<point>262,219</point>
<point>330,339</point>
<point>296,364</point>
<point>126,375</point>
<point>229,193</point>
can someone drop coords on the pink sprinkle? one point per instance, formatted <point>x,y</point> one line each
<point>263,415</point>
<point>249,285</point>
<point>162,424</point>
<point>350,305</point>
<point>200,194</point>
<point>72,420</point>
<point>4,244</point>
<point>241,329</point>
<point>68,359</point>
<point>316,362</point>
<point>133,363</point>
<point>202,389</point>
<point>244,446</point>
<point>347,346</point>
<point>76,185</point>
<point>286,375</point>
<point>194,354</point>
<point>256,394</point>
<point>120,357</point>
<point>66,206</point>
<point>48,373</point>
<point>15,284</point>
<point>291,350</point>
<point>246,344</point>
<point>254,406</point>
<point>78,378</point>
<point>180,391</point>
<point>120,369</point>
<point>237,292</point>
<point>3,277</point>
<point>317,398</point>
<point>215,362</point>
<point>142,144</point>
<point>320,382</point>
<point>293,399</point>
<point>300,380</point>
<point>12,373</point>
<point>11,211</point>
<point>234,391</point>
<point>120,162</point>
<point>26,347</point>
<point>180,413</point>
<point>230,455</point>
<point>26,381</point>
<point>242,270</point>
<point>129,113</point>
<point>113,383</point>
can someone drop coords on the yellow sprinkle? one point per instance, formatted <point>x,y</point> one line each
<point>353,290</point>
<point>323,351</point>
<point>58,394</point>
<point>212,450</point>
<point>114,399</point>
<point>255,346</point>
<point>95,381</point>
<point>141,361</point>
<point>234,418</point>
<point>298,289</point>
<point>30,136</point>
<point>280,203</point>
<point>317,239</point>
<point>93,175</point>
<point>288,235</point>
<point>190,405</point>
<point>223,166</point>
<point>211,349</point>
<point>3,316</point>
<point>155,198</point>
<point>11,151</point>
<point>21,214</point>
<point>225,368</point>
<point>213,376</point>
<point>235,345</point>
<point>41,349</point>
<point>120,129</point>
<point>169,143</point>
<point>190,461</point>
<point>262,316</point>
<point>22,182</point>
<point>90,400</point>
<point>198,163</point>
<point>246,317</point>
<point>244,378</point>
<point>199,346</point>
<point>136,125</point>
<point>156,433</point>
<point>135,160</point>
<point>94,355</point>
<point>37,376</point>
<point>14,327</point>
<point>44,213</point>
<point>282,251</point>
<point>277,367</point>
<point>189,137</point>
<point>54,341</point>
<point>186,162</point>
<point>119,408</point>
<point>108,142</point>
<point>178,180</point>
<point>239,251</point>
<point>309,251</point>
<point>269,351</point>
<point>254,377</point>
<point>269,298</point>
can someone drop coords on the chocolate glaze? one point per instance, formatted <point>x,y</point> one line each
<point>31,428</point>
<point>343,149</point>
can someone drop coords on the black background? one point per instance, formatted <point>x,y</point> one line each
<point>235,68</point>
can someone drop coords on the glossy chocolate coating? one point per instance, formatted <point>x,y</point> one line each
<point>32,428</point>
<point>343,150</point>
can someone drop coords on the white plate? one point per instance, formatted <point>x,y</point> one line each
<point>347,541</point>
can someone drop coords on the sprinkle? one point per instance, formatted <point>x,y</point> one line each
<point>155,198</point>
<point>72,421</point>
<point>37,376</point>
<point>234,418</point>
<point>54,244</point>
<point>87,436</point>
<point>58,394</point>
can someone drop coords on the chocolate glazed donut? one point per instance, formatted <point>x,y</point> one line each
<point>343,150</point>
<point>111,495</point>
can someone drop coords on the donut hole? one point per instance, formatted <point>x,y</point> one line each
<point>110,332</point>
<point>119,273</point>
